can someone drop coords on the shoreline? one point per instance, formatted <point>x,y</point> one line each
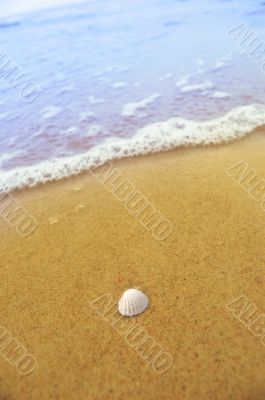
<point>151,139</point>
<point>88,244</point>
<point>142,158</point>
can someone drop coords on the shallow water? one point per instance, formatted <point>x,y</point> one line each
<point>108,69</point>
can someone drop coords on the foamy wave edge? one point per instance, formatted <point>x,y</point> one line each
<point>152,138</point>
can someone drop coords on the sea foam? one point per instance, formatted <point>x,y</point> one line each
<point>155,137</point>
<point>130,109</point>
<point>197,87</point>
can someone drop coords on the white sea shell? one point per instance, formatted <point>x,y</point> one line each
<point>133,302</point>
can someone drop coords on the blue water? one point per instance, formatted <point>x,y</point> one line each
<point>92,59</point>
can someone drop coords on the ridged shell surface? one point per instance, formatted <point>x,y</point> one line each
<point>133,302</point>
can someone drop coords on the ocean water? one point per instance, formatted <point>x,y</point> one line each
<point>123,78</point>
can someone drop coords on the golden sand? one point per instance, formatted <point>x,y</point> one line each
<point>87,244</point>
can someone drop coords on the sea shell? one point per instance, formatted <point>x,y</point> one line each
<point>133,302</point>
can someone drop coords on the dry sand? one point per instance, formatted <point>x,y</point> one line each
<point>87,244</point>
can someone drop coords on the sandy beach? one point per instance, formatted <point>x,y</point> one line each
<point>87,244</point>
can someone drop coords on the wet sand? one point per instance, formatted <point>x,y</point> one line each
<point>87,244</point>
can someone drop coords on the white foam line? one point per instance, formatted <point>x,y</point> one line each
<point>220,95</point>
<point>186,78</point>
<point>118,85</point>
<point>219,65</point>
<point>152,138</point>
<point>197,87</point>
<point>50,112</point>
<point>129,109</point>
